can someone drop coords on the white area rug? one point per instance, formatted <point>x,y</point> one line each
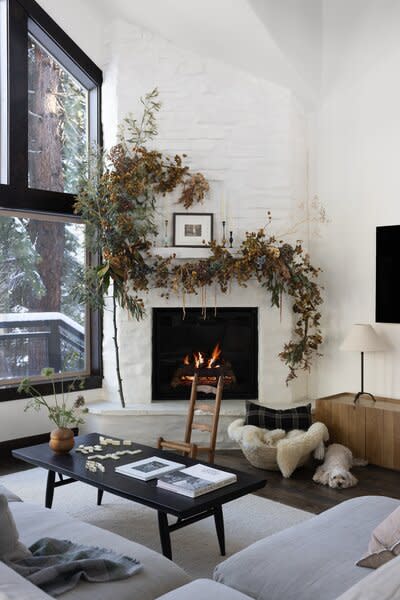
<point>195,548</point>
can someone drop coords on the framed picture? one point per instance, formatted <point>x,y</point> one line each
<point>193,230</point>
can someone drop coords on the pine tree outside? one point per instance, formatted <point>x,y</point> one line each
<point>42,324</point>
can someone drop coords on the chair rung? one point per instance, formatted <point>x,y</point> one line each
<point>205,408</point>
<point>201,427</point>
<point>175,445</point>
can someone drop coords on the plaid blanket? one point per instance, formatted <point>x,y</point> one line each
<point>56,566</point>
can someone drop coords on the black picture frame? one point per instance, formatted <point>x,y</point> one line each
<point>188,216</point>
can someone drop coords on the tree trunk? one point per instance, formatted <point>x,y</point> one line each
<point>46,173</point>
<point>49,241</point>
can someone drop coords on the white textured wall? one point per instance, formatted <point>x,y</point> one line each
<point>357,176</point>
<point>275,41</point>
<point>83,22</point>
<point>248,137</point>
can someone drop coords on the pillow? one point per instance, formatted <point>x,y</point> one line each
<point>11,497</point>
<point>384,543</point>
<point>298,417</point>
<point>10,547</point>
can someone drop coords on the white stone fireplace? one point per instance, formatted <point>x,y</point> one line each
<point>145,419</point>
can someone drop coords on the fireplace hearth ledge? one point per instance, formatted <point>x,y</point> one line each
<point>144,423</point>
<point>229,408</point>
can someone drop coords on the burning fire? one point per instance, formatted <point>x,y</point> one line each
<point>201,361</point>
<point>205,365</point>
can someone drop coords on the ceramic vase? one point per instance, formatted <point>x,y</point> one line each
<point>61,440</point>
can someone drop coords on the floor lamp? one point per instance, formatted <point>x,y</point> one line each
<point>363,338</point>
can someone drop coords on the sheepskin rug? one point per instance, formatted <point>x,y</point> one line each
<point>270,448</point>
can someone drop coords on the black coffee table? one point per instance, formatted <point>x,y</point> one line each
<point>187,510</point>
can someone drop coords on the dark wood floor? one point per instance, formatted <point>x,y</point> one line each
<point>299,491</point>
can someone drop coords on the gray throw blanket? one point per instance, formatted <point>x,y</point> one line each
<point>56,566</point>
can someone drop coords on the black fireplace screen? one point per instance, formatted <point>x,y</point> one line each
<point>222,344</point>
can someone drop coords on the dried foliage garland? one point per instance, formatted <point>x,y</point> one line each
<point>277,266</point>
<point>117,202</point>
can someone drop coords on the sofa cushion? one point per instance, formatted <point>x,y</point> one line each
<point>204,589</point>
<point>384,543</point>
<point>318,555</point>
<point>15,587</point>
<point>11,497</point>
<point>158,575</point>
<point>298,417</point>
<point>383,584</point>
<point>10,546</point>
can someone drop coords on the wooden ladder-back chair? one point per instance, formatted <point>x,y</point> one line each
<point>187,446</point>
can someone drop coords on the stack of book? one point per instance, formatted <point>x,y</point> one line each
<point>172,476</point>
<point>195,481</point>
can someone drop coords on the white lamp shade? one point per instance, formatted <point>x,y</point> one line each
<point>363,338</point>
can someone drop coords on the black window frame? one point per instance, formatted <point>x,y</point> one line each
<point>24,17</point>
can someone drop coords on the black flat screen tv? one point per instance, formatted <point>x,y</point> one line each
<point>387,298</point>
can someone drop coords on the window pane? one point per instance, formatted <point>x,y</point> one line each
<point>3,93</point>
<point>41,324</point>
<point>57,123</point>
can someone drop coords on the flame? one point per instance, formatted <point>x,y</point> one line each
<point>200,360</point>
<point>205,364</point>
<point>216,353</point>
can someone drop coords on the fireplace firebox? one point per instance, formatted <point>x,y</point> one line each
<point>225,343</point>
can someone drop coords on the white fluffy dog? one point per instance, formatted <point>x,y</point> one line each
<point>335,470</point>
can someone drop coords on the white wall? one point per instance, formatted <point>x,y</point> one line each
<point>83,21</point>
<point>296,28</point>
<point>15,423</point>
<point>275,41</point>
<point>357,176</point>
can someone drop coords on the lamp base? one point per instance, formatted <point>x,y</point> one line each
<point>358,396</point>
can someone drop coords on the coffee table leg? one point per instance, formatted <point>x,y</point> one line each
<point>164,534</point>
<point>99,497</point>
<point>219,526</point>
<point>51,477</point>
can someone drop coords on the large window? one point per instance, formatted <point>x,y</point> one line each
<point>41,324</point>
<point>49,116</point>
<point>57,123</point>
<point>3,91</point>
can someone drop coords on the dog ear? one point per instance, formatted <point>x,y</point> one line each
<point>351,479</point>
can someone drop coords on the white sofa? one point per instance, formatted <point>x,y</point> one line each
<point>158,576</point>
<point>314,560</point>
